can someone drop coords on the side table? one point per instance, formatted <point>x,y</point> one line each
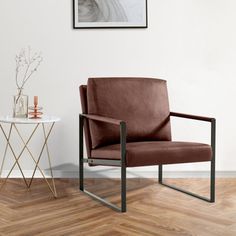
<point>35,123</point>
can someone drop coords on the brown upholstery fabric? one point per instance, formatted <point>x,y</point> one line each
<point>84,106</point>
<point>141,102</point>
<point>154,153</point>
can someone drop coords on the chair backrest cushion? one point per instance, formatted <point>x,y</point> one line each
<point>141,102</point>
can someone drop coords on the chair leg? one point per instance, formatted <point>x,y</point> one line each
<point>81,154</point>
<point>104,201</point>
<point>160,174</point>
<point>212,181</point>
<point>212,185</point>
<point>81,175</point>
<point>123,188</point>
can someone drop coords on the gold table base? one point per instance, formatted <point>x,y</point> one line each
<point>35,160</point>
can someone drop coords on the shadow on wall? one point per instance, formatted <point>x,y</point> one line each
<point>70,170</point>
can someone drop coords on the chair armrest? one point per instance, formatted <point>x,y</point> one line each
<point>108,120</point>
<point>187,116</point>
<point>213,129</point>
<point>102,119</point>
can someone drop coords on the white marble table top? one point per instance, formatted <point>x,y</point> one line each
<point>44,119</point>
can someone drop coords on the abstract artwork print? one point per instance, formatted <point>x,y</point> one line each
<point>110,13</point>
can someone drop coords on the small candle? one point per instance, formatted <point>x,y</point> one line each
<point>35,100</point>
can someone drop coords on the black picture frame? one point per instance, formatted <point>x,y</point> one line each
<point>109,25</point>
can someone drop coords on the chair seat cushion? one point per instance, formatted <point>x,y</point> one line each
<point>156,152</point>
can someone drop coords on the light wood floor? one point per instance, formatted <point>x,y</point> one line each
<point>152,209</point>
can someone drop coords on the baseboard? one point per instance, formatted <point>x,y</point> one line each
<point>114,173</point>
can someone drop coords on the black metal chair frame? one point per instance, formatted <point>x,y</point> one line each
<point>122,162</point>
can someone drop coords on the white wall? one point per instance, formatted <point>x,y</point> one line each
<point>190,43</point>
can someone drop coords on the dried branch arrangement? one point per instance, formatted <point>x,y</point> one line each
<point>27,63</point>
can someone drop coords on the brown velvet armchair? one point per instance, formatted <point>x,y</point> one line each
<point>127,124</point>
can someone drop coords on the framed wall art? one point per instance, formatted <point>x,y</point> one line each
<point>109,14</point>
